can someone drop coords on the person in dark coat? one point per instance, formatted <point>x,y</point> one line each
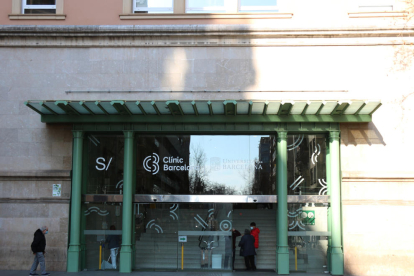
<point>246,245</point>
<point>39,249</point>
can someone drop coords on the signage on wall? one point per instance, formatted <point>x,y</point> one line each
<point>308,217</point>
<point>57,189</point>
<point>171,163</point>
<point>102,163</point>
<point>182,238</point>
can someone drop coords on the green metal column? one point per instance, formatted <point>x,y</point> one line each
<point>328,181</point>
<point>282,224</point>
<point>75,211</point>
<point>126,249</point>
<point>337,255</point>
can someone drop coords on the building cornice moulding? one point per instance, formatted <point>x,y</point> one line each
<point>48,175</point>
<point>197,35</point>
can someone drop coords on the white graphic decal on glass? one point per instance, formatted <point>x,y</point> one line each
<point>200,220</point>
<point>94,140</point>
<point>102,164</point>
<point>324,188</point>
<point>297,182</point>
<point>155,167</point>
<point>296,143</point>
<point>95,209</point>
<point>294,214</point>
<point>225,225</point>
<point>120,186</point>
<point>157,228</point>
<point>315,154</point>
<point>174,207</point>
<point>296,223</point>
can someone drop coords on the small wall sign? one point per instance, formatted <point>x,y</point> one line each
<point>182,238</point>
<point>57,189</point>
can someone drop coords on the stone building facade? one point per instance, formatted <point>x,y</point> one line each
<point>341,52</point>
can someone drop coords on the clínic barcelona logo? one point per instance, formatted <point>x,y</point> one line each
<point>155,167</point>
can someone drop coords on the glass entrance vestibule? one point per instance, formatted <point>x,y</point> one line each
<point>170,201</point>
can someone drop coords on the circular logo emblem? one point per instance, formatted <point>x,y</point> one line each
<point>155,167</point>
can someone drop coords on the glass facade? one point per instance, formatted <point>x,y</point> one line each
<point>194,235</point>
<point>306,164</point>
<point>195,164</point>
<point>102,235</point>
<point>105,164</point>
<point>308,237</point>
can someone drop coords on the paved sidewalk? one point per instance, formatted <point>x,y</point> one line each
<point>144,273</point>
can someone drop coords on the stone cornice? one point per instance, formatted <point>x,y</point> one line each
<point>60,175</point>
<point>196,35</point>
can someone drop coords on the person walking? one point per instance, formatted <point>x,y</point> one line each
<point>39,250</point>
<point>246,245</point>
<point>113,245</point>
<point>255,233</point>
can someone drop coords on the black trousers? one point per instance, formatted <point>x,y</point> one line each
<point>249,262</point>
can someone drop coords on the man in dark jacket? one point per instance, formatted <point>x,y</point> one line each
<point>247,250</point>
<point>38,248</point>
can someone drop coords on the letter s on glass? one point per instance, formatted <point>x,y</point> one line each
<point>103,164</point>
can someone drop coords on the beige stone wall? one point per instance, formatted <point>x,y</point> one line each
<point>376,223</point>
<point>382,148</point>
<point>26,204</point>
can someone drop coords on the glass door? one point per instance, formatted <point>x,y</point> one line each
<point>206,232</point>
<point>156,238</point>
<point>102,235</point>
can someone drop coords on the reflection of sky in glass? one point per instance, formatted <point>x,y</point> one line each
<point>205,3</point>
<point>156,3</point>
<point>229,159</point>
<point>258,2</point>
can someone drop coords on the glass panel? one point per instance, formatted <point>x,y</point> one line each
<point>207,229</point>
<point>153,6</point>
<point>205,6</point>
<point>105,164</point>
<point>257,5</point>
<point>308,237</point>
<point>102,235</point>
<point>40,2</point>
<point>203,234</point>
<point>156,238</point>
<point>39,11</point>
<point>264,216</point>
<point>306,165</point>
<point>195,164</point>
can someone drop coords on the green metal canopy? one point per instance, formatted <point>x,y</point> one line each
<point>232,111</point>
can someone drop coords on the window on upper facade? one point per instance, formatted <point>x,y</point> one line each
<point>225,6</point>
<point>153,6</point>
<point>257,6</point>
<point>39,7</point>
<point>376,5</point>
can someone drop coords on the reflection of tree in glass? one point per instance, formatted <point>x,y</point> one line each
<point>198,176</point>
<point>248,175</point>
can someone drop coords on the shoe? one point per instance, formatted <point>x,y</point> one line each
<point>33,274</point>
<point>45,274</point>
